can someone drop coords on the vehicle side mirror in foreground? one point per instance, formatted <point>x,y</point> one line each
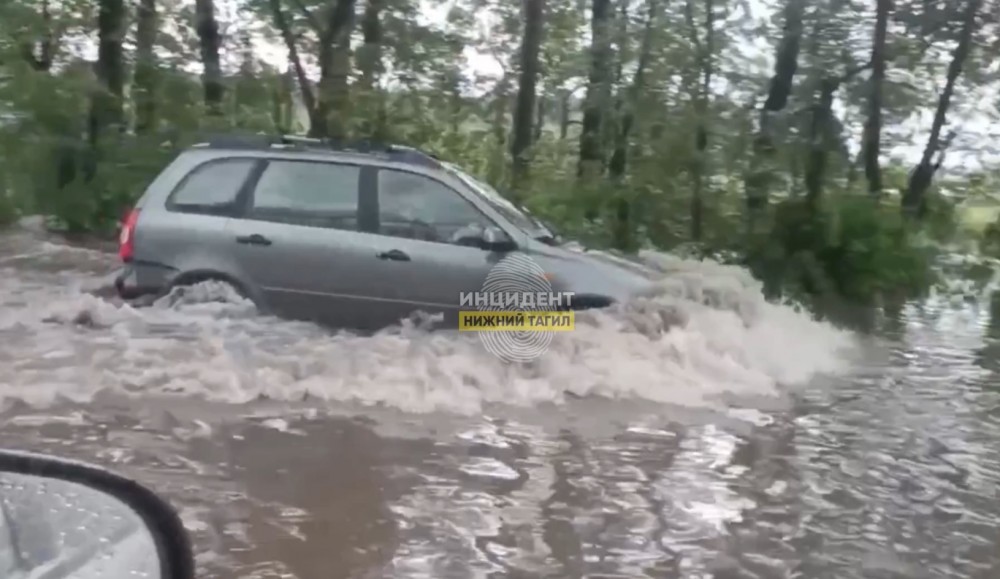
<point>495,239</point>
<point>62,519</point>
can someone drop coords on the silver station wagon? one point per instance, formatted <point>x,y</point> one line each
<point>351,235</point>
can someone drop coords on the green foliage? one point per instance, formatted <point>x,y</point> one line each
<point>89,191</point>
<point>409,82</point>
<point>850,246</point>
<point>8,206</point>
<point>941,222</point>
<point>989,243</point>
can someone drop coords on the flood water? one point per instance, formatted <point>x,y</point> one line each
<point>746,441</point>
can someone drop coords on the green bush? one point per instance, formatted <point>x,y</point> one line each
<point>989,243</point>
<point>88,191</point>
<point>941,222</point>
<point>8,207</point>
<point>851,247</point>
<point>8,210</point>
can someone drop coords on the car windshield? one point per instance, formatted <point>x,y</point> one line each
<point>519,216</point>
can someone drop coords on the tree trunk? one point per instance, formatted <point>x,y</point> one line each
<point>40,54</point>
<point>455,106</point>
<point>283,103</point>
<point>370,54</point>
<point>335,68</point>
<point>106,107</point>
<point>524,109</point>
<point>592,158</point>
<point>873,126</point>
<point>371,68</point>
<point>914,199</point>
<point>498,108</point>
<point>308,97</point>
<point>619,157</point>
<point>699,167</point>
<point>540,118</point>
<point>786,65</point>
<point>209,42</point>
<point>145,77</point>
<point>821,133</point>
<point>564,121</point>
<point>618,164</point>
<point>815,170</point>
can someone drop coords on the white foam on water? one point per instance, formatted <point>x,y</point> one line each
<point>706,333</point>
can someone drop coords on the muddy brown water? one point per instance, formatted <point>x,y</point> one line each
<point>747,442</point>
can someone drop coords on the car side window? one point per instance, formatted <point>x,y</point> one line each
<point>315,194</point>
<point>418,207</point>
<point>211,187</point>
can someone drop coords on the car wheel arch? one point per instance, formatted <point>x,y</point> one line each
<point>585,301</point>
<point>193,277</point>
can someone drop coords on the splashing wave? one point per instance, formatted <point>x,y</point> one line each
<point>705,333</point>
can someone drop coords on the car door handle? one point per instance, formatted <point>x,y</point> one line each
<point>394,255</point>
<point>255,239</point>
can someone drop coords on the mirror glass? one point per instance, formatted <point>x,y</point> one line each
<point>53,529</point>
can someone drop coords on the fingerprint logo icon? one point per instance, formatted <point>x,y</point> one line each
<point>516,274</point>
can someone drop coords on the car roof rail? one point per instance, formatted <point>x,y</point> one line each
<point>237,141</point>
<point>395,152</point>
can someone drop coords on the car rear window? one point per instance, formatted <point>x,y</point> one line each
<point>212,186</point>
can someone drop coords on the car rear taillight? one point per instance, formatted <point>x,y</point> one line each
<point>126,238</point>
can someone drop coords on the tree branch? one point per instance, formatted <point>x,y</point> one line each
<point>850,73</point>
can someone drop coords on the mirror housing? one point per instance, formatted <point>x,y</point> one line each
<point>495,239</point>
<point>94,523</point>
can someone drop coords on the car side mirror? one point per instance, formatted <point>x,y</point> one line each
<point>495,239</point>
<point>62,518</point>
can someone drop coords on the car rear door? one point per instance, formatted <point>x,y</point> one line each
<point>297,239</point>
<point>185,231</point>
<point>420,263</point>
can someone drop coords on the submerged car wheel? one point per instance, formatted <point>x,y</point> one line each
<point>215,288</point>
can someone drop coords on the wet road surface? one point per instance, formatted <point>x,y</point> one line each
<point>745,442</point>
